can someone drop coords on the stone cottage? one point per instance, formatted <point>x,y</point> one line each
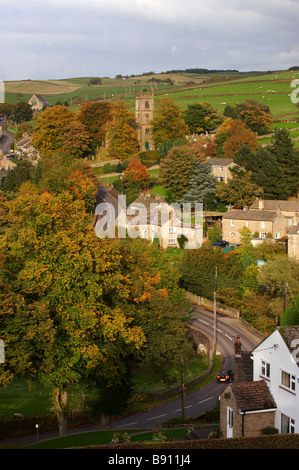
<point>262,222</point>
<point>38,103</point>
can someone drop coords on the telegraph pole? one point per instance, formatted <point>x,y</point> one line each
<point>182,389</point>
<point>215,323</point>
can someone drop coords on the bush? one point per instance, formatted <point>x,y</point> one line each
<point>269,430</point>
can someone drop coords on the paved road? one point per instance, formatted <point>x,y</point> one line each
<point>6,142</point>
<point>197,402</point>
<point>106,212</point>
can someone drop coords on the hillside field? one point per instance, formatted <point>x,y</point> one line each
<point>220,89</point>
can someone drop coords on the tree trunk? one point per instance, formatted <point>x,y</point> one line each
<point>61,403</point>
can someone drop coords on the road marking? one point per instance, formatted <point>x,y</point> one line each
<point>203,321</point>
<point>129,424</point>
<point>155,417</point>
<point>180,409</point>
<point>207,399</point>
<point>228,337</point>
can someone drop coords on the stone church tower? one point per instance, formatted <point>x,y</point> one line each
<point>144,114</point>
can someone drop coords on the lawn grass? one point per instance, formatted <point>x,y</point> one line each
<point>98,438</point>
<point>19,397</point>
<point>151,380</point>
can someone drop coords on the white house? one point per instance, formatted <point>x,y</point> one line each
<point>276,361</point>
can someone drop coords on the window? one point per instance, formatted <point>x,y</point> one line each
<point>144,234</point>
<point>265,369</point>
<point>288,380</point>
<point>263,234</point>
<point>171,230</point>
<point>146,105</point>
<point>247,223</point>
<point>232,234</point>
<point>262,224</point>
<point>287,424</point>
<point>277,235</point>
<point>221,168</point>
<point>171,241</point>
<point>221,178</point>
<point>232,223</point>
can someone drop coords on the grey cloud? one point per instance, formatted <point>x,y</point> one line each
<point>57,39</point>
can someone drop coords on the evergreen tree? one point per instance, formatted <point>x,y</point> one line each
<point>16,176</point>
<point>202,184</point>
<point>287,157</point>
<point>265,171</point>
<point>291,315</point>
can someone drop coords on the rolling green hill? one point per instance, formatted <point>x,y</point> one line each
<point>273,89</point>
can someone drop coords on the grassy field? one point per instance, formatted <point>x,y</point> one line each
<point>272,89</point>
<point>19,397</point>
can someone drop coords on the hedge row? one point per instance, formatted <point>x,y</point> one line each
<point>280,441</point>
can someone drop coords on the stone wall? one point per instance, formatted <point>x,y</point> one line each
<point>209,304</point>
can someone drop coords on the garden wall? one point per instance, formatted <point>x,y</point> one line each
<point>209,304</point>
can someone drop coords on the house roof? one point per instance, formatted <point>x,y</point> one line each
<point>220,161</point>
<point>290,335</point>
<point>42,99</point>
<point>239,214</point>
<point>253,396</point>
<point>276,204</point>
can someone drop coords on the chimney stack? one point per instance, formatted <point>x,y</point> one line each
<point>238,347</point>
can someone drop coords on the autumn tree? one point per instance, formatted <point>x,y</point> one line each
<point>255,115</point>
<point>74,307</point>
<point>238,135</point>
<point>95,117</point>
<point>75,140</point>
<point>121,132</point>
<point>168,122</point>
<point>59,174</point>
<point>58,129</point>
<point>136,173</point>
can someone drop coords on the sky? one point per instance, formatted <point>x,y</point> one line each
<point>102,38</point>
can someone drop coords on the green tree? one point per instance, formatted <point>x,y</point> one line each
<point>240,190</point>
<point>202,117</point>
<point>177,168</point>
<point>17,175</point>
<point>22,112</point>
<point>291,315</point>
<point>265,171</point>
<point>282,148</point>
